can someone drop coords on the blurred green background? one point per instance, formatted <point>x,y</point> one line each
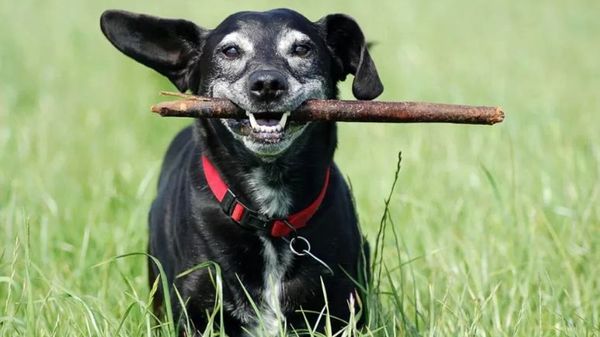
<point>499,226</point>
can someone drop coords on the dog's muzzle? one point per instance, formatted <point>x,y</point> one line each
<point>268,101</point>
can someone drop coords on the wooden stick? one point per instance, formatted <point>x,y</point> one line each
<point>338,110</point>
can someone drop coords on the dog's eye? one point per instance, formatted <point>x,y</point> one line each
<point>300,50</point>
<point>231,52</point>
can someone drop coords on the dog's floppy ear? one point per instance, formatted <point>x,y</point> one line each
<point>345,38</point>
<point>168,46</point>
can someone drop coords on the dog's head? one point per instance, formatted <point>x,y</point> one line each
<point>267,63</point>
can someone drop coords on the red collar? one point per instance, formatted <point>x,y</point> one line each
<point>248,218</point>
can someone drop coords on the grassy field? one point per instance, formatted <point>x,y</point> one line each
<point>491,231</point>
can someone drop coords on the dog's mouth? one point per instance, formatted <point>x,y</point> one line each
<point>266,133</point>
<point>267,127</point>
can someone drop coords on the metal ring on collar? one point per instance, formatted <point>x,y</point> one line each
<point>300,252</point>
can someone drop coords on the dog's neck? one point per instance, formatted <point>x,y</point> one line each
<point>277,186</point>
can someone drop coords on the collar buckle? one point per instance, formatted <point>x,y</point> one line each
<point>254,220</point>
<point>229,202</point>
<point>244,216</point>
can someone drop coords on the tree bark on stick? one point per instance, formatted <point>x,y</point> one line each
<point>339,110</point>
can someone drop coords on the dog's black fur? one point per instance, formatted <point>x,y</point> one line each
<point>187,225</point>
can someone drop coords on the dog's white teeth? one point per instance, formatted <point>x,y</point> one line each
<point>267,128</point>
<point>253,122</point>
<point>283,120</point>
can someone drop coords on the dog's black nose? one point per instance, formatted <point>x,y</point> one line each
<point>267,85</point>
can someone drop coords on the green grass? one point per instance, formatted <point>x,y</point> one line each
<point>491,231</point>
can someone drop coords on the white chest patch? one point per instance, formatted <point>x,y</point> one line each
<point>271,319</point>
<point>272,201</point>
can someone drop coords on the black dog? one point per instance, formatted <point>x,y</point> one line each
<point>253,195</point>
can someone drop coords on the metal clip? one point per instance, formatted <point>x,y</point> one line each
<point>303,251</point>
